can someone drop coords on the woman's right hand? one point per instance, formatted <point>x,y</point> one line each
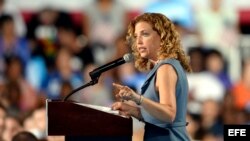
<point>126,109</point>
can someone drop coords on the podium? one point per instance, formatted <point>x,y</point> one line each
<point>80,123</point>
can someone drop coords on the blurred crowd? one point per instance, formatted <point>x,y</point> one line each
<point>45,54</point>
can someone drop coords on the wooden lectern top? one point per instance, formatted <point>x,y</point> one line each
<point>72,119</point>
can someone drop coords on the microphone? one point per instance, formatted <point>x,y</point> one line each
<point>95,74</point>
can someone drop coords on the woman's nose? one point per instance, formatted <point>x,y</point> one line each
<point>139,40</point>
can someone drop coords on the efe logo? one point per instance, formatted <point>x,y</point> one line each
<point>236,132</point>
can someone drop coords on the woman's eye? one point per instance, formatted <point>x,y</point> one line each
<point>145,34</point>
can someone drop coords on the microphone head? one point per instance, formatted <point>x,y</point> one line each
<point>128,57</point>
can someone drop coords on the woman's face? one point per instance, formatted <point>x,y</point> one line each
<point>147,40</point>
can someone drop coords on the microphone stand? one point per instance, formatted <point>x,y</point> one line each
<point>92,82</point>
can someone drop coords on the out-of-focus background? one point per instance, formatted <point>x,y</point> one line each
<point>48,48</point>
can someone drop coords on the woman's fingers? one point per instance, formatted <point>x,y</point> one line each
<point>124,113</point>
<point>118,86</point>
<point>125,93</point>
<point>123,90</point>
<point>121,87</point>
<point>122,107</point>
<point>116,106</point>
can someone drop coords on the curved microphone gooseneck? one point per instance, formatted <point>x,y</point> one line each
<point>93,82</point>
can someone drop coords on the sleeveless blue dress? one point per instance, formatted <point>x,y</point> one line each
<point>156,130</point>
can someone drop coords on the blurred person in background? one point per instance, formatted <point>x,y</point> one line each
<point>22,89</point>
<point>211,123</point>
<point>217,65</point>
<point>39,117</point>
<point>217,27</point>
<point>63,71</point>
<point>10,43</point>
<point>11,128</point>
<point>12,97</point>
<point>103,21</point>
<point>162,104</point>
<point>77,44</point>
<point>197,59</point>
<point>241,89</point>
<point>35,123</point>
<point>7,8</point>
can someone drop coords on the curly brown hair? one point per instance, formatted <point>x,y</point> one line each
<point>170,41</point>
